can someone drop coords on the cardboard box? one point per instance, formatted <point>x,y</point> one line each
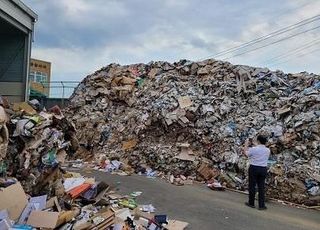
<point>205,171</point>
<point>14,200</point>
<point>35,203</point>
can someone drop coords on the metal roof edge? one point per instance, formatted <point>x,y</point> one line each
<point>26,9</point>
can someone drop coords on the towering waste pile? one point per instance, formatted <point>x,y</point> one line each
<point>174,117</point>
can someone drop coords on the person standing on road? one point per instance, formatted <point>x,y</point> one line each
<point>258,157</point>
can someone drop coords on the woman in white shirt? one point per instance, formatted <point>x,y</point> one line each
<point>258,157</point>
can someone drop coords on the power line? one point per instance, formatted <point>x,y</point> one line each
<point>296,56</point>
<point>272,43</point>
<point>293,51</point>
<point>268,36</point>
<point>301,55</point>
<point>273,21</point>
<point>265,37</point>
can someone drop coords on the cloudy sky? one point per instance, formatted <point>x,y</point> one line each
<point>80,36</point>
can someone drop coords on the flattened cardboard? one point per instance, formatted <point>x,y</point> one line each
<point>43,219</point>
<point>176,225</point>
<point>82,225</point>
<point>115,196</point>
<point>126,145</point>
<point>184,102</point>
<point>186,154</point>
<point>109,218</point>
<point>25,107</point>
<point>105,224</point>
<point>138,213</point>
<point>123,213</point>
<point>128,81</point>
<point>14,200</point>
<point>66,216</point>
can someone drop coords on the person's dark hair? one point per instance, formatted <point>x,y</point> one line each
<point>262,139</point>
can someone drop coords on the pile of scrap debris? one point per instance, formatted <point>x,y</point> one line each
<point>189,120</point>
<point>36,192</point>
<point>37,142</point>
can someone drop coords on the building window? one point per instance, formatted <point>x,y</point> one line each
<point>38,77</point>
<point>31,76</point>
<point>41,77</point>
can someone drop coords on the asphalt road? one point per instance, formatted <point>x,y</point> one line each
<point>205,209</point>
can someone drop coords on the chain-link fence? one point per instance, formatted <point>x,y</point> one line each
<point>60,89</point>
<point>53,92</point>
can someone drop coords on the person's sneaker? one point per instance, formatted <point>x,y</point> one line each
<point>263,208</point>
<point>249,205</point>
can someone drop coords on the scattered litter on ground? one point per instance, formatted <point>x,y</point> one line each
<point>87,204</point>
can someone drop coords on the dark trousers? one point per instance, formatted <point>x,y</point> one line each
<point>257,176</point>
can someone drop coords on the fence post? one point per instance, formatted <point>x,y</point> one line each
<point>62,94</point>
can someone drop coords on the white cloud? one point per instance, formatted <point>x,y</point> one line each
<point>81,36</point>
<point>262,27</point>
<point>75,8</point>
<point>66,62</point>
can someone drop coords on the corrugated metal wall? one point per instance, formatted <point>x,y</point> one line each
<point>12,57</point>
<point>13,61</point>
